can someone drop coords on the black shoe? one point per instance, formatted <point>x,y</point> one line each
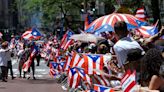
<point>34,78</point>
<point>13,78</point>
<point>4,80</point>
<point>24,77</point>
<point>37,65</point>
<point>28,78</point>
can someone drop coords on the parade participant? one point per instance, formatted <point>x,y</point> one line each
<point>23,59</point>
<point>38,56</point>
<point>4,60</point>
<point>9,64</point>
<point>33,46</point>
<point>124,44</point>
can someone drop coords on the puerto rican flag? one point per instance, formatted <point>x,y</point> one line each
<point>66,42</point>
<point>147,31</point>
<point>128,82</point>
<point>67,64</point>
<point>59,66</point>
<point>27,64</point>
<point>32,33</point>
<point>93,61</point>
<point>102,80</point>
<point>54,72</point>
<point>73,78</point>
<point>100,88</point>
<point>84,76</point>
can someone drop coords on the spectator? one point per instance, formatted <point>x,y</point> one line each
<point>124,44</point>
<point>4,60</point>
<point>152,62</point>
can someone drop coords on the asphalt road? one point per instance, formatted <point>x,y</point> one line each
<point>43,82</point>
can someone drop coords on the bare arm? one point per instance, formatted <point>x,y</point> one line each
<point>155,37</point>
<point>155,83</point>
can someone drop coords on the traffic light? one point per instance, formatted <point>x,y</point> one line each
<point>92,6</point>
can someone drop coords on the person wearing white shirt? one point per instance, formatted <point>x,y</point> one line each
<point>3,60</point>
<point>124,44</point>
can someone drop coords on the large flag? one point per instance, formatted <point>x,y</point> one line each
<point>104,28</point>
<point>32,33</point>
<point>66,41</point>
<point>128,82</point>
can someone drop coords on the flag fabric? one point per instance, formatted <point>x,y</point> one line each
<point>104,28</point>
<point>75,59</point>
<point>87,21</point>
<point>32,33</point>
<point>141,13</point>
<point>75,75</point>
<point>67,64</point>
<point>73,78</point>
<point>27,64</point>
<point>111,19</point>
<point>84,76</point>
<point>66,42</point>
<point>57,65</point>
<point>93,61</point>
<point>128,82</point>
<point>100,88</point>
<point>54,72</point>
<point>147,31</point>
<point>102,80</point>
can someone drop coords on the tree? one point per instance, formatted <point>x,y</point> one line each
<point>52,8</point>
<point>156,11</point>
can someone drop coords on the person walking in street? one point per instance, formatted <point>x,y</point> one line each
<point>9,65</point>
<point>3,60</point>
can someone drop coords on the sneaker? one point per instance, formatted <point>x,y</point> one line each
<point>13,78</point>
<point>34,78</point>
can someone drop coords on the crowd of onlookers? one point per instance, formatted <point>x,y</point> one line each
<point>144,55</point>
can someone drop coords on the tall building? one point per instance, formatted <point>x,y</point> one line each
<point>8,17</point>
<point>8,14</point>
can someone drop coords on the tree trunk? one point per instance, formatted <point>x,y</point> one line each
<point>156,12</point>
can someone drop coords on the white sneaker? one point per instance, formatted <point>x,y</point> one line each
<point>64,88</point>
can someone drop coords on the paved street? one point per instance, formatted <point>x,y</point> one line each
<point>44,82</point>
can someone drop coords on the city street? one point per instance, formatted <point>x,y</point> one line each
<point>43,82</point>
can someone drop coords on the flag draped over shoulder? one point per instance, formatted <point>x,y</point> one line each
<point>32,33</point>
<point>27,64</point>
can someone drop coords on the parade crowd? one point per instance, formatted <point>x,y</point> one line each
<point>121,62</point>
